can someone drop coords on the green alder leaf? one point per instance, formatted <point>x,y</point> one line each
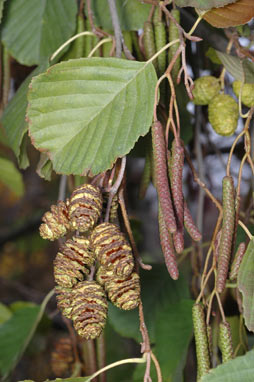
<point>158,290</point>
<point>11,177</point>
<point>17,332</point>
<point>242,70</point>
<point>240,369</point>
<point>205,5</point>
<point>86,113</point>
<point>132,14</point>
<point>245,283</point>
<point>173,333</point>
<point>34,29</point>
<point>44,167</point>
<point>13,119</point>
<point>5,313</point>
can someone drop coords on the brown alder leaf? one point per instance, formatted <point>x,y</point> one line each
<point>231,15</point>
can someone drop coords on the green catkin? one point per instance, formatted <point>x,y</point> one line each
<point>237,261</point>
<point>135,44</point>
<point>200,334</point>
<point>227,231</point>
<point>160,41</point>
<point>209,333</point>
<point>225,341</point>
<point>149,42</point>
<point>127,40</point>
<point>173,35</point>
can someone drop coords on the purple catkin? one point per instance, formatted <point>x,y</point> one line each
<point>190,225</point>
<point>237,261</point>
<point>167,248</point>
<point>161,176</point>
<point>227,231</point>
<point>176,176</point>
<point>217,245</point>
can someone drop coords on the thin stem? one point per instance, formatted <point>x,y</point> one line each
<point>89,355</point>
<point>168,45</point>
<point>204,285</point>
<point>129,231</point>
<point>113,190</point>
<point>210,307</point>
<point>157,367</point>
<point>118,363</point>
<point>62,187</point>
<point>73,339</point>
<point>245,229</point>
<point>101,355</point>
<point>116,26</point>
<point>232,150</point>
<point>107,39</point>
<point>199,154</point>
<point>85,33</point>
<point>220,307</point>
<point>193,28</point>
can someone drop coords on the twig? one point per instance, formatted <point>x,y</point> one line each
<point>97,31</point>
<point>101,355</point>
<point>73,339</point>
<point>89,355</point>
<point>116,26</point>
<point>113,190</point>
<point>62,187</point>
<point>157,367</point>
<point>198,149</point>
<point>101,42</point>
<point>129,231</point>
<point>245,229</point>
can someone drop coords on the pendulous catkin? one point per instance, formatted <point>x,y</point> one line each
<point>225,341</point>
<point>200,334</point>
<point>161,176</point>
<point>189,224</point>
<point>237,261</point>
<point>227,231</point>
<point>167,248</point>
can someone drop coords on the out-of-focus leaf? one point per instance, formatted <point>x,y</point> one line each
<point>14,118</point>
<point>203,4</point>
<point>245,282</point>
<point>11,177</point>
<point>86,113</point>
<point>5,313</point>
<point>13,335</point>
<point>231,15</point>
<point>132,14</point>
<point>34,29</point>
<point>173,332</point>
<point>17,332</point>
<point>235,323</point>
<point>158,290</point>
<point>240,369</point>
<point>213,56</point>
<point>242,70</point>
<point>44,167</point>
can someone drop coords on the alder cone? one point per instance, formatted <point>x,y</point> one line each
<point>227,231</point>
<point>124,292</point>
<point>225,341</point>
<point>104,274</point>
<point>205,89</point>
<point>89,309</point>
<point>112,249</point>
<point>62,359</point>
<point>56,222</point>
<point>85,207</point>
<point>247,92</point>
<point>200,334</point>
<point>223,114</point>
<point>73,261</point>
<point>64,298</point>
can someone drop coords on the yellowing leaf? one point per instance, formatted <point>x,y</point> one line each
<point>231,15</point>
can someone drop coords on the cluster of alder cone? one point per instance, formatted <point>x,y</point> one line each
<point>94,250</point>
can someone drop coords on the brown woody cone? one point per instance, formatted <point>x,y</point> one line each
<point>124,292</point>
<point>56,222</point>
<point>62,359</point>
<point>73,261</point>
<point>63,298</point>
<point>112,249</point>
<point>89,309</point>
<point>85,207</point>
